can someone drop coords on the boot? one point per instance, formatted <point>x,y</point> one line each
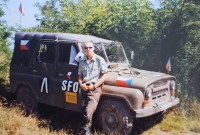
<point>84,131</point>
<point>87,131</point>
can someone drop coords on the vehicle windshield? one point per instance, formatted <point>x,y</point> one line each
<point>115,53</point>
<point>99,50</point>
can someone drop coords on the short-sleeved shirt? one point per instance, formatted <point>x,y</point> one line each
<point>91,71</point>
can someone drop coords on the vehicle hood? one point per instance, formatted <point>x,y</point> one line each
<point>135,78</point>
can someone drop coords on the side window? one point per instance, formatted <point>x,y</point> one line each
<point>67,54</point>
<point>46,53</point>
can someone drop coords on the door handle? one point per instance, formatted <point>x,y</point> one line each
<point>61,74</point>
<point>34,71</point>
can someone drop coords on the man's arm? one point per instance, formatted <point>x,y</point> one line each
<point>104,70</point>
<point>82,85</point>
<point>80,80</point>
<point>99,82</point>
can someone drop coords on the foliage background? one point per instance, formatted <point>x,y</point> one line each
<point>5,53</point>
<point>153,33</point>
<point>171,29</point>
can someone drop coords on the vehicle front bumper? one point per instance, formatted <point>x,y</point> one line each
<point>157,107</point>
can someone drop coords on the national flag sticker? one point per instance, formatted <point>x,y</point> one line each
<point>69,75</point>
<point>124,82</point>
<point>24,45</point>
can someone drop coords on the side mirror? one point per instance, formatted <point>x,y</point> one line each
<point>132,55</point>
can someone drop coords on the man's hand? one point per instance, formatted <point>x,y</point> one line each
<point>90,86</point>
<point>84,87</point>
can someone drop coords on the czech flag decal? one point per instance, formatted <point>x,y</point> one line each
<point>24,45</point>
<point>69,75</point>
<point>124,82</point>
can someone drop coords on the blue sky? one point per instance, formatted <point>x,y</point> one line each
<point>12,14</point>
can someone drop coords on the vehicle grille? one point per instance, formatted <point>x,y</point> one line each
<point>160,83</point>
<point>159,94</point>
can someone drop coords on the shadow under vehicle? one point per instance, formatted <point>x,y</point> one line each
<point>44,69</point>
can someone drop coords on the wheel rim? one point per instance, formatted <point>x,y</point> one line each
<point>27,100</point>
<point>111,120</point>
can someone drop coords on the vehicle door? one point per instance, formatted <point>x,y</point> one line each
<point>43,67</point>
<point>67,76</point>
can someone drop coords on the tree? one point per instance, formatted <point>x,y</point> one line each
<point>5,53</point>
<point>178,36</point>
<point>130,22</point>
<point>155,34</point>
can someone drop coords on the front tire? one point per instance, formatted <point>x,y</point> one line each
<point>114,117</point>
<point>27,100</point>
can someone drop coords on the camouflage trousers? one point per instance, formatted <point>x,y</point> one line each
<point>92,102</point>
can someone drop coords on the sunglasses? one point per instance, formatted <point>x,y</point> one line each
<point>87,47</point>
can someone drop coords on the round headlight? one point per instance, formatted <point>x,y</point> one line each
<point>172,85</point>
<point>149,92</point>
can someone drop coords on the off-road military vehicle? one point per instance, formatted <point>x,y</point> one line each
<point>44,70</point>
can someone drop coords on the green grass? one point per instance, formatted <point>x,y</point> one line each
<point>13,122</point>
<point>183,119</point>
